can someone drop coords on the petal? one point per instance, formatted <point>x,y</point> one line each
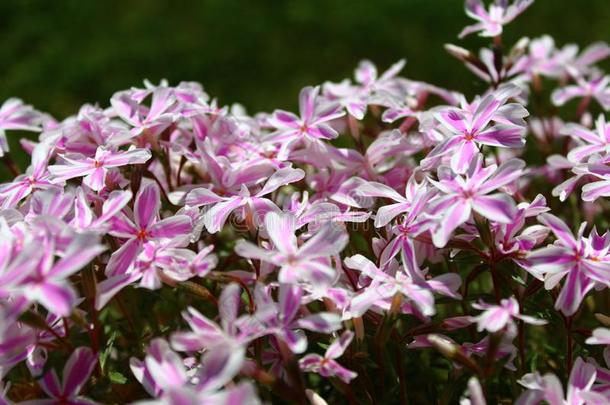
<point>130,157</point>
<point>454,216</point>
<point>78,254</point>
<point>506,173</point>
<point>58,298</point>
<point>337,348</point>
<point>108,288</point>
<point>147,205</point>
<point>463,156</point>
<point>171,227</point>
<point>387,213</point>
<point>215,218</point>
<point>123,258</point>
<point>559,228</point>
<point>323,322</point>
<point>280,228</point>
<point>228,304</point>
<point>496,207</point>
<point>329,240</point>
<point>307,102</point>
<point>219,366</point>
<point>202,196</point>
<point>503,136</point>
<point>289,301</point>
<point>280,178</point>
<point>77,370</point>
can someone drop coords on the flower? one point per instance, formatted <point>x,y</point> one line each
<point>233,331</point>
<point>306,263</point>
<point>582,260</point>
<point>548,387</point>
<point>326,365</point>
<point>414,286</point>
<point>282,319</point>
<point>15,115</point>
<point>490,22</point>
<point>465,128</point>
<point>145,227</point>
<point>595,87</point>
<point>35,178</point>
<point>150,121</point>
<point>94,169</point>
<point>415,222</point>
<point>255,205</point>
<point>600,336</point>
<point>589,142</point>
<point>164,375</point>
<point>76,372</point>
<point>496,317</point>
<point>461,195</point>
<point>311,124</point>
<point>45,279</point>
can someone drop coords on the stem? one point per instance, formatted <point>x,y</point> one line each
<point>125,313</point>
<point>495,281</point>
<point>293,370</point>
<point>582,107</point>
<point>11,165</point>
<point>89,285</point>
<point>570,345</point>
<point>163,193</point>
<point>179,174</point>
<point>401,377</point>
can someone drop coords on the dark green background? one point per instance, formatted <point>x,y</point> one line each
<point>58,55</point>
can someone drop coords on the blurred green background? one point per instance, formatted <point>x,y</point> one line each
<point>58,55</point>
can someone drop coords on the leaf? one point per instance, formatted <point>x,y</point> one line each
<point>117,378</point>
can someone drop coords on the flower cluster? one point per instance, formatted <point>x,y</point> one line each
<point>391,241</point>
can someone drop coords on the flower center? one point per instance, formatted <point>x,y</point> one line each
<point>141,234</point>
<point>404,229</point>
<point>292,260</point>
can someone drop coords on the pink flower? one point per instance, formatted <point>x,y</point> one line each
<point>589,142</point>
<point>548,387</point>
<point>462,195</point>
<point>14,115</point>
<point>233,331</point>
<point>414,223</point>
<point>496,317</point>
<point>595,87</point>
<point>164,375</point>
<point>309,262</point>
<point>416,289</point>
<point>464,129</point>
<point>370,88</point>
<point>581,260</point>
<point>94,169</point>
<point>490,22</point>
<point>312,123</point>
<point>600,336</point>
<point>77,370</point>
<point>283,319</point>
<point>145,227</point>
<point>326,365</point>
<point>255,206</point>
<point>35,178</point>
<point>45,280</point>
<point>148,120</point>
